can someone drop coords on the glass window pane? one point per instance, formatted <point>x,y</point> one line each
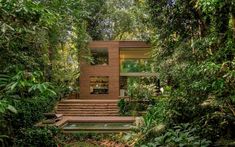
<point>99,56</point>
<point>136,65</point>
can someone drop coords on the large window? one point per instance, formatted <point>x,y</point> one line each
<point>99,85</point>
<point>100,56</point>
<point>136,65</point>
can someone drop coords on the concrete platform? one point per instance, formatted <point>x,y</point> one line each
<point>87,111</point>
<point>108,119</point>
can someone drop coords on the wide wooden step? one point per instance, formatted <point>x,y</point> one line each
<point>89,101</point>
<point>61,111</point>
<point>86,107</point>
<point>91,114</point>
<point>92,104</point>
<point>87,110</point>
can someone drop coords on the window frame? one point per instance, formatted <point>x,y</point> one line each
<point>101,80</point>
<point>96,49</point>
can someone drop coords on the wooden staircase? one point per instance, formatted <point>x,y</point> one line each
<point>83,107</point>
<point>89,115</point>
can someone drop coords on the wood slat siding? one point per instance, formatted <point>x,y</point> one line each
<point>133,44</point>
<point>139,74</point>
<point>111,70</point>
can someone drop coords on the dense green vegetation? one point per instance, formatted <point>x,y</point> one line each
<point>193,46</point>
<point>39,39</point>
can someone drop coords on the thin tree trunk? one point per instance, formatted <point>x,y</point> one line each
<point>50,57</point>
<point>51,51</point>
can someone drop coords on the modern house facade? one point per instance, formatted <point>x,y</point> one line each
<point>105,76</point>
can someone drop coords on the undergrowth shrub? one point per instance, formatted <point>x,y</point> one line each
<point>30,95</point>
<point>5,128</point>
<point>215,125</point>
<point>37,137</point>
<point>122,104</point>
<point>156,114</point>
<point>180,135</point>
<point>31,110</point>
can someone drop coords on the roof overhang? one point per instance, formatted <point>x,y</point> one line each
<point>138,74</point>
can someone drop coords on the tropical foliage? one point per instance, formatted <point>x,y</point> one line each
<point>38,40</point>
<point>193,46</point>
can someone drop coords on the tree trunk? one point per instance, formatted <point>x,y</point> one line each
<point>52,34</point>
<point>49,68</point>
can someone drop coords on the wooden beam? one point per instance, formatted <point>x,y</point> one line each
<point>139,74</point>
<point>133,44</point>
<point>122,44</point>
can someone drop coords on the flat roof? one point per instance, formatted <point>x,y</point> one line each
<point>138,74</point>
<point>133,44</point>
<point>124,44</point>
